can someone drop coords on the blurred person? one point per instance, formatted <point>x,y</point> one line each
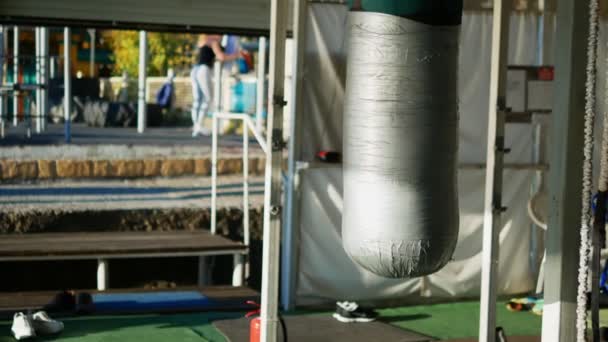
<point>209,50</point>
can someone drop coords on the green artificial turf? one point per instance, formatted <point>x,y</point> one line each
<point>140,328</point>
<point>453,320</point>
<point>459,320</point>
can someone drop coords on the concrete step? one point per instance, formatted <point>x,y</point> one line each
<point>135,194</point>
<point>120,153</point>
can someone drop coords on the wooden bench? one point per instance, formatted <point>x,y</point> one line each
<point>119,245</point>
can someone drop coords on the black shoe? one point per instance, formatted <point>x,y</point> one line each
<point>350,312</point>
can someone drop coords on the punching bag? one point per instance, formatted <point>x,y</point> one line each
<point>400,214</point>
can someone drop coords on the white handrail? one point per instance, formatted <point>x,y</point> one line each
<point>247,125</point>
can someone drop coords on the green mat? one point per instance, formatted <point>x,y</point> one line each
<point>459,320</point>
<point>146,328</point>
<point>454,320</point>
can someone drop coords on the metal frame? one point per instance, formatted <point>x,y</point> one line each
<point>67,84</point>
<point>261,84</point>
<point>564,183</point>
<point>290,238</point>
<point>272,192</point>
<point>141,86</point>
<point>494,160</point>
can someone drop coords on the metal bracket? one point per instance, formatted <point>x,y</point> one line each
<point>279,100</point>
<point>275,210</point>
<point>277,140</point>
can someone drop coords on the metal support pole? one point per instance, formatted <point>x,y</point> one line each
<point>15,73</point>
<point>38,43</point>
<point>290,233</point>
<point>217,91</point>
<point>566,172</point>
<point>92,53</point>
<point>261,85</point>
<point>238,270</point>
<point>494,159</point>
<point>272,191</point>
<point>141,88</point>
<point>67,84</point>
<point>44,76</point>
<point>3,97</point>
<point>214,132</point>
<point>103,274</point>
<point>246,183</point>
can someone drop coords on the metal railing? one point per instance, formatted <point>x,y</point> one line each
<point>248,125</point>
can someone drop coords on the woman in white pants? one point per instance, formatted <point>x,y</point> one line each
<point>209,49</point>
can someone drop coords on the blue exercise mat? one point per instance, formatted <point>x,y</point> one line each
<point>169,300</point>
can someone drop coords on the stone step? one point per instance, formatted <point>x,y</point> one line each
<point>137,194</point>
<point>120,153</point>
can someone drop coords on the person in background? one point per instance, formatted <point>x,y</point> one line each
<point>166,93</point>
<point>209,49</point>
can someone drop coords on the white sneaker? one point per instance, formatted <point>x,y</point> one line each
<point>22,327</point>
<point>205,131</point>
<point>45,325</point>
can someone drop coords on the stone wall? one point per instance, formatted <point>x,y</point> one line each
<point>25,170</point>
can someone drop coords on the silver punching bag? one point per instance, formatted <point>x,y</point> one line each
<point>400,215</point>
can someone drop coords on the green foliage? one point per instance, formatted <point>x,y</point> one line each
<point>165,50</point>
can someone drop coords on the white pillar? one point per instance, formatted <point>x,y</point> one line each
<point>261,85</point>
<point>494,170</point>
<point>103,274</point>
<point>67,84</point>
<point>141,87</point>
<point>239,269</point>
<point>37,43</point>
<point>15,73</point>
<point>44,76</point>
<point>92,53</point>
<point>289,266</point>
<point>3,59</point>
<point>272,190</point>
<point>565,173</point>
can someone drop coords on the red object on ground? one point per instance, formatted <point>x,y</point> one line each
<point>254,330</point>
<point>546,73</point>
<point>255,324</point>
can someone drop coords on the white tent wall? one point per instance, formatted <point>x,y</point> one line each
<point>324,271</point>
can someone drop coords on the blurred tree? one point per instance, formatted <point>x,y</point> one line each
<point>165,50</point>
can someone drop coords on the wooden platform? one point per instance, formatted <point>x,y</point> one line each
<point>53,246</point>
<point>115,245</point>
<point>222,298</point>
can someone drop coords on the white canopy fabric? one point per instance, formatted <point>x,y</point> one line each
<point>325,273</point>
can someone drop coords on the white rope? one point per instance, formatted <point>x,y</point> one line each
<point>583,271</point>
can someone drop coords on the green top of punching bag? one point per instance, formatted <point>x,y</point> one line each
<point>433,12</point>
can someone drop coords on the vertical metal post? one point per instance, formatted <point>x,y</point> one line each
<point>261,85</point>
<point>67,84</point>
<point>15,74</point>
<point>272,191</point>
<point>141,87</point>
<point>92,53</point>
<point>217,91</point>
<point>44,76</point>
<point>214,132</point>
<point>494,169</point>
<point>103,274</point>
<point>238,269</point>
<point>3,59</point>
<point>290,234</point>
<point>565,174</point>
<point>245,183</point>
<point>37,42</point>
